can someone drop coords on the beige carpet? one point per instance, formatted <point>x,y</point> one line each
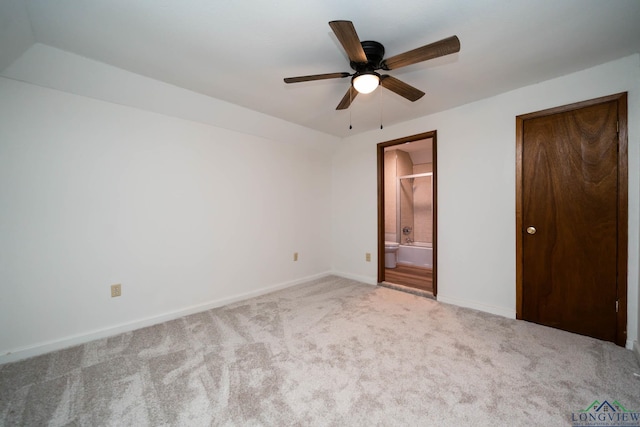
<point>329,352</point>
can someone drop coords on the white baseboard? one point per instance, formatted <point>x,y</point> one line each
<point>364,279</point>
<point>500,311</point>
<point>635,346</point>
<point>42,348</point>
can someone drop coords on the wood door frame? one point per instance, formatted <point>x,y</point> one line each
<point>380,151</point>
<point>623,189</point>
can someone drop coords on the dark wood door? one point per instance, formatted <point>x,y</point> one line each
<point>570,214</point>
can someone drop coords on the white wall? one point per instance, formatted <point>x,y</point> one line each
<point>190,202</point>
<point>185,215</point>
<point>476,188</point>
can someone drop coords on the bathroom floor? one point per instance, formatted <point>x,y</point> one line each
<point>407,275</point>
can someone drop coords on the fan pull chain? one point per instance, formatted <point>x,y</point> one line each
<point>350,101</point>
<point>381,103</point>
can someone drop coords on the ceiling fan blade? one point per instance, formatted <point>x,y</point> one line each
<point>430,51</point>
<point>347,99</point>
<point>316,77</point>
<point>401,88</point>
<point>347,36</point>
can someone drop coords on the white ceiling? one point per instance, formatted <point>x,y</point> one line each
<point>239,51</point>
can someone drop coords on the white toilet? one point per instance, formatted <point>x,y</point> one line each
<point>390,254</point>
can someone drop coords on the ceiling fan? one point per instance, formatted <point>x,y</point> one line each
<point>367,57</point>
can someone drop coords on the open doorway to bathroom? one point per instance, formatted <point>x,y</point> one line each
<point>407,232</point>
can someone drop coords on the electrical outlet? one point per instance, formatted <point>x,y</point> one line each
<point>367,257</point>
<point>116,290</point>
<point>295,256</point>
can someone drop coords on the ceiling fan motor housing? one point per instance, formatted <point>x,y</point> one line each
<point>374,52</point>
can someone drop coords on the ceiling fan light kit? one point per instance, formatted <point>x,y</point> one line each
<point>366,57</point>
<point>366,82</point>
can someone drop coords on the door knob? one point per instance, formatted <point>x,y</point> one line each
<point>531,230</point>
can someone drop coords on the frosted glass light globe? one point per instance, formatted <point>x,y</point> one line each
<point>366,83</point>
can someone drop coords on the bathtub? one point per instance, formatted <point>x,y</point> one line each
<point>417,254</point>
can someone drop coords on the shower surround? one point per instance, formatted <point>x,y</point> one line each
<point>409,208</point>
